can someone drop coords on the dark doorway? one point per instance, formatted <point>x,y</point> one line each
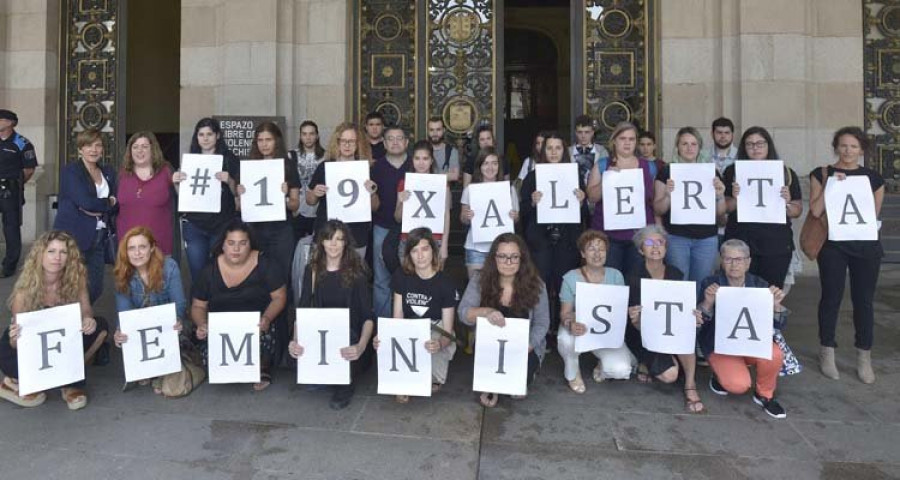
<point>536,74</point>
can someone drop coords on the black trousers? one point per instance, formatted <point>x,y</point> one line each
<point>11,208</point>
<point>554,261</point>
<point>9,360</point>
<point>771,268</point>
<point>833,266</point>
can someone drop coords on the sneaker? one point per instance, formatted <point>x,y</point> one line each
<point>341,398</point>
<point>771,406</point>
<point>717,387</point>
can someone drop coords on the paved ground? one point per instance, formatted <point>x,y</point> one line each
<point>835,429</point>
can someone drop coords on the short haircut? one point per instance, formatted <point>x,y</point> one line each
<point>87,137</point>
<point>735,244</point>
<point>588,236</point>
<point>645,232</point>
<point>647,134</point>
<point>864,141</point>
<point>723,122</point>
<point>412,240</point>
<point>374,116</point>
<point>584,121</point>
<point>395,128</point>
<point>436,119</point>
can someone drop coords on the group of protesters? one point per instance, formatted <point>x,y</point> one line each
<point>128,219</point>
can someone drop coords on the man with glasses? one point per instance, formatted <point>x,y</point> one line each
<point>387,172</point>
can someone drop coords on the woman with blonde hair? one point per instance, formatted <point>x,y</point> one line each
<point>145,190</point>
<point>346,145</point>
<point>146,278</point>
<point>53,275</point>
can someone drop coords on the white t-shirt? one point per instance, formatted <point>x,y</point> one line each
<point>484,246</point>
<point>102,192</point>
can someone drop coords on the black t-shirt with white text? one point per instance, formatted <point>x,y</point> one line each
<point>424,298</point>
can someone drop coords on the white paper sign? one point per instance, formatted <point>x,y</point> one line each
<point>850,205</point>
<point>557,183</point>
<point>404,366</point>
<point>50,349</point>
<point>234,347</point>
<point>501,357</point>
<point>200,191</point>
<point>760,199</point>
<point>624,202</point>
<point>744,322</point>
<point>427,203</point>
<point>693,202</point>
<point>668,324</point>
<point>491,203</point>
<point>262,200</point>
<point>152,348</point>
<point>347,198</point>
<point>323,332</point>
<point>603,309</point>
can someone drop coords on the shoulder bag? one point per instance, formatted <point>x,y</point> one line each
<point>815,230</point>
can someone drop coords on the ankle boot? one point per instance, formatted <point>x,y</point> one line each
<point>826,363</point>
<point>864,366</point>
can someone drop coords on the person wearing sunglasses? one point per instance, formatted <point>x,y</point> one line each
<point>509,286</point>
<point>651,242</point>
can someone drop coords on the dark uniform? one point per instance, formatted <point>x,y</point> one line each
<point>16,155</point>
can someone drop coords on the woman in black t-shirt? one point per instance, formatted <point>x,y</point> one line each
<point>771,245</point>
<point>336,277</point>
<point>421,290</point>
<point>242,279</point>
<point>276,238</point>
<point>861,257</point>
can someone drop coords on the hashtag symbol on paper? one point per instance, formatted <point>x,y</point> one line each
<point>197,178</point>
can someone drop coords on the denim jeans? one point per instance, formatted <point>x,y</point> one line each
<point>95,264</point>
<point>695,257</point>
<point>623,256</point>
<point>198,244</point>
<point>382,290</point>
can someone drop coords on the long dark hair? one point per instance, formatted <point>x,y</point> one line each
<point>412,241</point>
<point>236,225</point>
<point>554,136</point>
<point>275,130</point>
<point>352,266</point>
<point>762,132</point>
<point>483,154</point>
<point>320,151</point>
<point>212,124</point>
<point>527,284</point>
<point>426,146</point>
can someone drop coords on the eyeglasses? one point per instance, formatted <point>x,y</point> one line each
<point>508,259</point>
<point>347,141</point>
<point>649,242</point>
<point>755,145</point>
<point>733,260</point>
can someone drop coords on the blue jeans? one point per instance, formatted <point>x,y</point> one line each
<point>695,257</point>
<point>96,265</point>
<point>198,244</point>
<point>623,256</point>
<point>382,290</point>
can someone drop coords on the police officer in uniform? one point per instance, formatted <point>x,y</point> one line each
<point>17,163</point>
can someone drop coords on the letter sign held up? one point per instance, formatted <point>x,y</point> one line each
<point>347,198</point>
<point>262,200</point>
<point>200,191</point>
<point>624,199</point>
<point>760,199</point>
<point>323,332</point>
<point>491,202</point>
<point>404,366</point>
<point>693,202</point>
<point>49,349</point>
<point>501,357</point>
<point>744,322</point>
<point>427,203</point>
<point>668,324</point>
<point>603,309</point>
<point>234,347</point>
<point>850,205</point>
<point>152,348</point>
<point>557,183</point>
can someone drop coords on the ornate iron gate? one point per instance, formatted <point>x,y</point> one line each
<point>881,56</point>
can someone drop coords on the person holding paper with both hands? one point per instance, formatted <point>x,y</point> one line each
<point>730,373</point>
<point>422,290</point>
<point>53,275</point>
<point>422,162</point>
<point>336,277</point>
<point>861,257</point>
<point>146,278</point>
<point>241,279</point>
<point>509,286</point>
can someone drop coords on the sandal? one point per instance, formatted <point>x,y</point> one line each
<point>693,406</point>
<point>265,379</point>
<point>643,376</point>
<point>9,390</point>
<point>75,398</point>
<point>401,399</point>
<point>577,384</point>
<point>489,400</point>
<point>598,374</point>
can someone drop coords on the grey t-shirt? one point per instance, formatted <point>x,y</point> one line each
<point>445,165</point>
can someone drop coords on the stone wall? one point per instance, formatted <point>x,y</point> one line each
<point>792,66</point>
<point>29,79</point>
<point>278,57</point>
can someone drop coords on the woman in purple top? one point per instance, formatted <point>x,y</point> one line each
<point>145,190</point>
<point>622,254</point>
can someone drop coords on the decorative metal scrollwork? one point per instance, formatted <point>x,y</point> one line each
<point>90,68</point>
<point>387,61</point>
<point>460,70</point>
<point>619,65</point>
<point>881,57</point>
